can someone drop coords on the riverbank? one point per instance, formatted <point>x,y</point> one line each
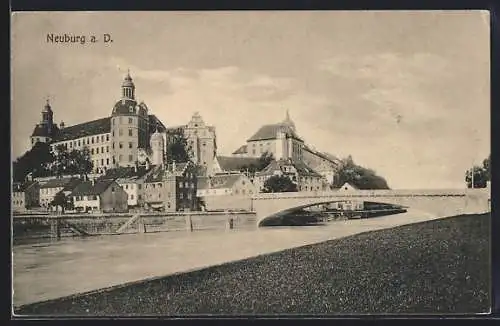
<point>440,266</point>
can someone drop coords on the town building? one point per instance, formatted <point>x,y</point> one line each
<point>201,139</point>
<point>104,196</point>
<point>49,189</point>
<point>297,171</point>
<point>25,195</point>
<point>325,164</point>
<point>231,191</point>
<point>171,187</point>
<point>279,139</point>
<point>113,141</point>
<point>131,179</point>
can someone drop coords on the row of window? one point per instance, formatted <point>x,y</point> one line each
<point>130,120</point>
<point>90,197</point>
<point>49,191</point>
<point>97,150</point>
<point>120,145</point>
<point>120,132</point>
<point>82,142</point>
<point>18,202</point>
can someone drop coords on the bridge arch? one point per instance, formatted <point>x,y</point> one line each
<point>439,203</point>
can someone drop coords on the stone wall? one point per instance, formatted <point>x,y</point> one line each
<point>229,202</point>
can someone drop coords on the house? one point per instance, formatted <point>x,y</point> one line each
<point>100,196</point>
<point>171,187</point>
<point>131,179</point>
<point>49,189</point>
<point>297,171</point>
<point>347,205</point>
<point>230,191</point>
<point>225,184</point>
<point>25,195</point>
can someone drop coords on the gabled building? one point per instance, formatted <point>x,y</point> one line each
<point>172,187</point>
<point>202,140</point>
<point>298,172</point>
<point>25,195</point>
<point>49,189</point>
<point>230,184</point>
<point>100,196</point>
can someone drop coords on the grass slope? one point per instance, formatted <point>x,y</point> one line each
<point>433,267</point>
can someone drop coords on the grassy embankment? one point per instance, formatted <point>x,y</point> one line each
<point>438,266</point>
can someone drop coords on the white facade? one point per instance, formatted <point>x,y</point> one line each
<point>18,200</point>
<point>47,195</point>
<point>91,202</point>
<point>134,190</point>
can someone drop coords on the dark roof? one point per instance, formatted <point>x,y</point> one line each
<point>241,150</point>
<point>87,188</point>
<point>94,127</point>
<point>270,132</point>
<point>124,172</point>
<point>323,155</point>
<point>232,163</point>
<point>72,184</point>
<point>157,172</point>
<point>301,167</point>
<point>42,130</point>
<point>22,186</point>
<point>128,107</point>
<point>58,183</point>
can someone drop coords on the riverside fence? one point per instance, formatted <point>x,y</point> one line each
<point>69,225</point>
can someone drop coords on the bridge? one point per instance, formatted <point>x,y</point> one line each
<point>438,202</point>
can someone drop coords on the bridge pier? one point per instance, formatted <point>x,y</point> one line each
<point>55,228</point>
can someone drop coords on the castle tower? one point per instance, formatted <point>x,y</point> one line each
<point>157,146</point>
<point>129,126</point>
<point>48,116</point>
<point>128,88</point>
<point>45,130</point>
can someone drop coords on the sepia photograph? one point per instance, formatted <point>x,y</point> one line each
<point>250,163</point>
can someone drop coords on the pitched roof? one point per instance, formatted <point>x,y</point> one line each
<point>220,181</point>
<point>42,130</point>
<point>89,128</point>
<point>58,183</point>
<point>125,172</point>
<point>87,188</point>
<point>232,163</point>
<point>157,172</point>
<point>302,168</point>
<point>270,132</point>
<point>72,184</point>
<point>242,150</point>
<point>22,186</point>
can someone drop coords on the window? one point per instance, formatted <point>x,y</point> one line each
<point>113,145</point>
<point>139,187</point>
<point>180,184</point>
<point>97,139</point>
<point>102,161</point>
<point>139,197</point>
<point>132,197</point>
<point>92,151</point>
<point>130,120</point>
<point>130,132</point>
<point>107,137</point>
<point>181,195</point>
<point>126,186</point>
<point>121,145</point>
<point>92,140</point>
<point>112,189</point>
<point>159,185</point>
<point>130,145</point>
<point>107,149</point>
<point>70,145</point>
<point>102,138</point>
<point>97,150</point>
<point>107,161</point>
<point>113,132</point>
<point>88,141</point>
<point>130,158</point>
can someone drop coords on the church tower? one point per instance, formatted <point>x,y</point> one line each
<point>288,122</point>
<point>128,87</point>
<point>46,129</point>
<point>157,147</point>
<point>48,117</point>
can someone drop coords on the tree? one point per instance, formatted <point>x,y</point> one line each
<point>279,183</point>
<point>37,160</point>
<point>359,176</point>
<point>482,174</point>
<point>60,200</point>
<point>72,162</point>
<point>178,149</point>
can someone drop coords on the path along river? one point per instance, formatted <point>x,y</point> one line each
<point>54,269</point>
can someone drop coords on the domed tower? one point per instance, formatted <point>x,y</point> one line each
<point>157,146</point>
<point>46,129</point>
<point>128,126</point>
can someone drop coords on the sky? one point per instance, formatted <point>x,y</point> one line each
<point>406,93</point>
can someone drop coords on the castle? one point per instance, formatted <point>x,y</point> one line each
<point>129,136</point>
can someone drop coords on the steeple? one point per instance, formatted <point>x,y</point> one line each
<point>47,114</point>
<point>289,121</point>
<point>128,87</point>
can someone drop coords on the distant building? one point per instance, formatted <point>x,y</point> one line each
<point>172,187</point>
<point>131,179</point>
<point>117,140</point>
<point>225,184</point>
<point>201,139</point>
<point>348,187</point>
<point>325,164</point>
<point>49,189</point>
<point>298,172</point>
<point>100,196</point>
<point>280,139</point>
<point>25,195</point>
